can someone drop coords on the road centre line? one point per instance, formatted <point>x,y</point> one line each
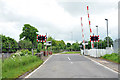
<point>68,58</point>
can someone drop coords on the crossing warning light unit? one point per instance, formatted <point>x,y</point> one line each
<point>94,38</point>
<point>41,38</point>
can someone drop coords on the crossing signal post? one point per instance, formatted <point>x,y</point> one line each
<point>42,39</point>
<point>95,39</point>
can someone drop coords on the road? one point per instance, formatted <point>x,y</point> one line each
<point>71,66</point>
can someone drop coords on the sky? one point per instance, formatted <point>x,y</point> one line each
<point>59,18</point>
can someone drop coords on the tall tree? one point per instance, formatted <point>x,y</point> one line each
<point>53,40</point>
<point>7,43</point>
<point>68,45</point>
<point>75,46</point>
<point>29,33</point>
<point>110,41</point>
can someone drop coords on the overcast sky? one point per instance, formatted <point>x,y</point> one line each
<point>58,18</point>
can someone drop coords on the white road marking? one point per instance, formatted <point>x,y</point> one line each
<point>68,58</point>
<point>102,65</point>
<point>55,54</point>
<point>37,68</point>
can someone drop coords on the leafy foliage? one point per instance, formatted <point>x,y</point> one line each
<point>25,44</point>
<point>113,57</point>
<point>29,33</point>
<point>39,48</point>
<point>7,43</point>
<point>22,52</point>
<point>57,46</point>
<point>110,41</point>
<point>102,44</point>
<point>75,46</point>
<point>68,45</point>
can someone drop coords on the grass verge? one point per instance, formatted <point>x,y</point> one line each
<point>111,57</point>
<point>0,69</point>
<point>13,68</point>
<point>73,52</point>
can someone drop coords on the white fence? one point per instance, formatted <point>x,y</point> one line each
<point>97,52</point>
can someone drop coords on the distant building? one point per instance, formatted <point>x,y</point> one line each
<point>116,45</point>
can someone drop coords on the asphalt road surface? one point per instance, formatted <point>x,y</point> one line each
<point>72,66</point>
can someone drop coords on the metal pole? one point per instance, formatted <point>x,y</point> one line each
<point>46,42</point>
<point>51,46</point>
<point>71,41</point>
<point>101,44</point>
<point>97,35</point>
<point>97,42</point>
<point>107,33</point>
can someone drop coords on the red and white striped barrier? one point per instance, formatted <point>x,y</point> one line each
<point>82,33</point>
<point>90,25</point>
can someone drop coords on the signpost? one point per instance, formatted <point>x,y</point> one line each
<point>48,43</point>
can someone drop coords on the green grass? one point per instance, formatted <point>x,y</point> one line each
<point>73,52</point>
<point>112,57</point>
<point>13,68</point>
<point>0,69</point>
<point>54,53</point>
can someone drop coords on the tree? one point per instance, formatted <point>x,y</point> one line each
<point>29,33</point>
<point>75,46</point>
<point>25,44</point>
<point>62,44</point>
<point>68,45</point>
<point>57,46</point>
<point>110,41</point>
<point>53,41</point>
<point>8,44</point>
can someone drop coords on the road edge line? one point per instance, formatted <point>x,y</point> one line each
<point>102,65</point>
<point>38,67</point>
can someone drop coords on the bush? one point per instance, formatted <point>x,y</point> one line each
<point>22,53</point>
<point>35,51</point>
<point>25,44</point>
<point>39,47</point>
<point>112,57</point>
<point>25,52</point>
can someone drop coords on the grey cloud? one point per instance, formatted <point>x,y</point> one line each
<point>79,8</point>
<point>74,8</point>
